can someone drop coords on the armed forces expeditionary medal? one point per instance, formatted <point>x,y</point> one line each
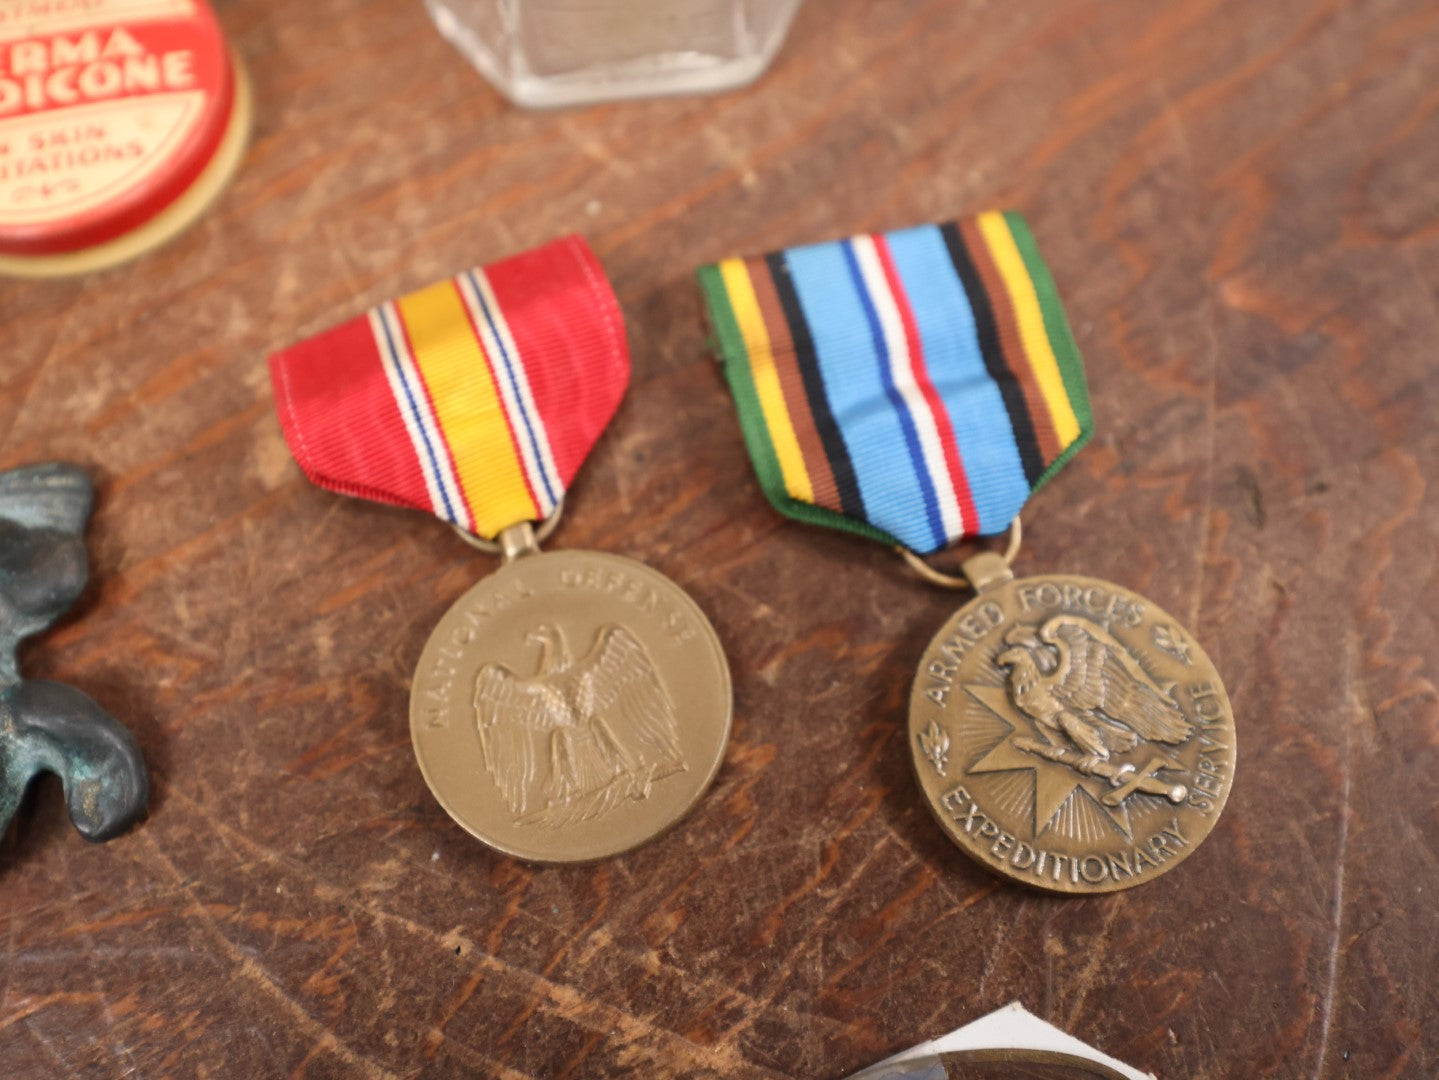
<point>915,388</point>
<point>573,704</point>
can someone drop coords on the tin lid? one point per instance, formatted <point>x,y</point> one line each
<point>109,111</point>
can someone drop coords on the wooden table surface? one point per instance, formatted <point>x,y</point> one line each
<point>1240,202</point>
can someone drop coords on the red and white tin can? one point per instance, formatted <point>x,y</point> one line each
<point>120,121</point>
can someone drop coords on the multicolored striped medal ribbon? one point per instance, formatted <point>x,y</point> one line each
<point>476,399</point>
<point>915,387</point>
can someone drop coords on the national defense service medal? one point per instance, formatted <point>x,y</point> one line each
<point>571,705</point>
<point>1068,734</point>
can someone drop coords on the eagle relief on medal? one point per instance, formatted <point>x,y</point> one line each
<point>1069,734</point>
<point>571,706</point>
<point>573,740</point>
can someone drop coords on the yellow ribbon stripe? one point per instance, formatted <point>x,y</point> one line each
<point>468,410</point>
<point>1031,324</point>
<point>766,379</point>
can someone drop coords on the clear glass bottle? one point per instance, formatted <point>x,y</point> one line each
<point>568,52</point>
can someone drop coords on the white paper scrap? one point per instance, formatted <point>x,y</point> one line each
<point>1011,1028</point>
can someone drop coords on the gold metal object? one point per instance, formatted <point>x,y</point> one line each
<point>951,581</point>
<point>1067,734</point>
<point>539,531</point>
<point>1071,1064</point>
<point>557,756</point>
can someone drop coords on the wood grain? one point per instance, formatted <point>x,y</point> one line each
<point>1240,202</point>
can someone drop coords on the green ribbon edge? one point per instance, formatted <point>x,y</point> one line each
<point>757,439</point>
<point>1061,340</point>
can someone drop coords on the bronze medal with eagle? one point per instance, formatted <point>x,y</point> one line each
<point>917,387</point>
<point>570,706</point>
<point>1068,734</point>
